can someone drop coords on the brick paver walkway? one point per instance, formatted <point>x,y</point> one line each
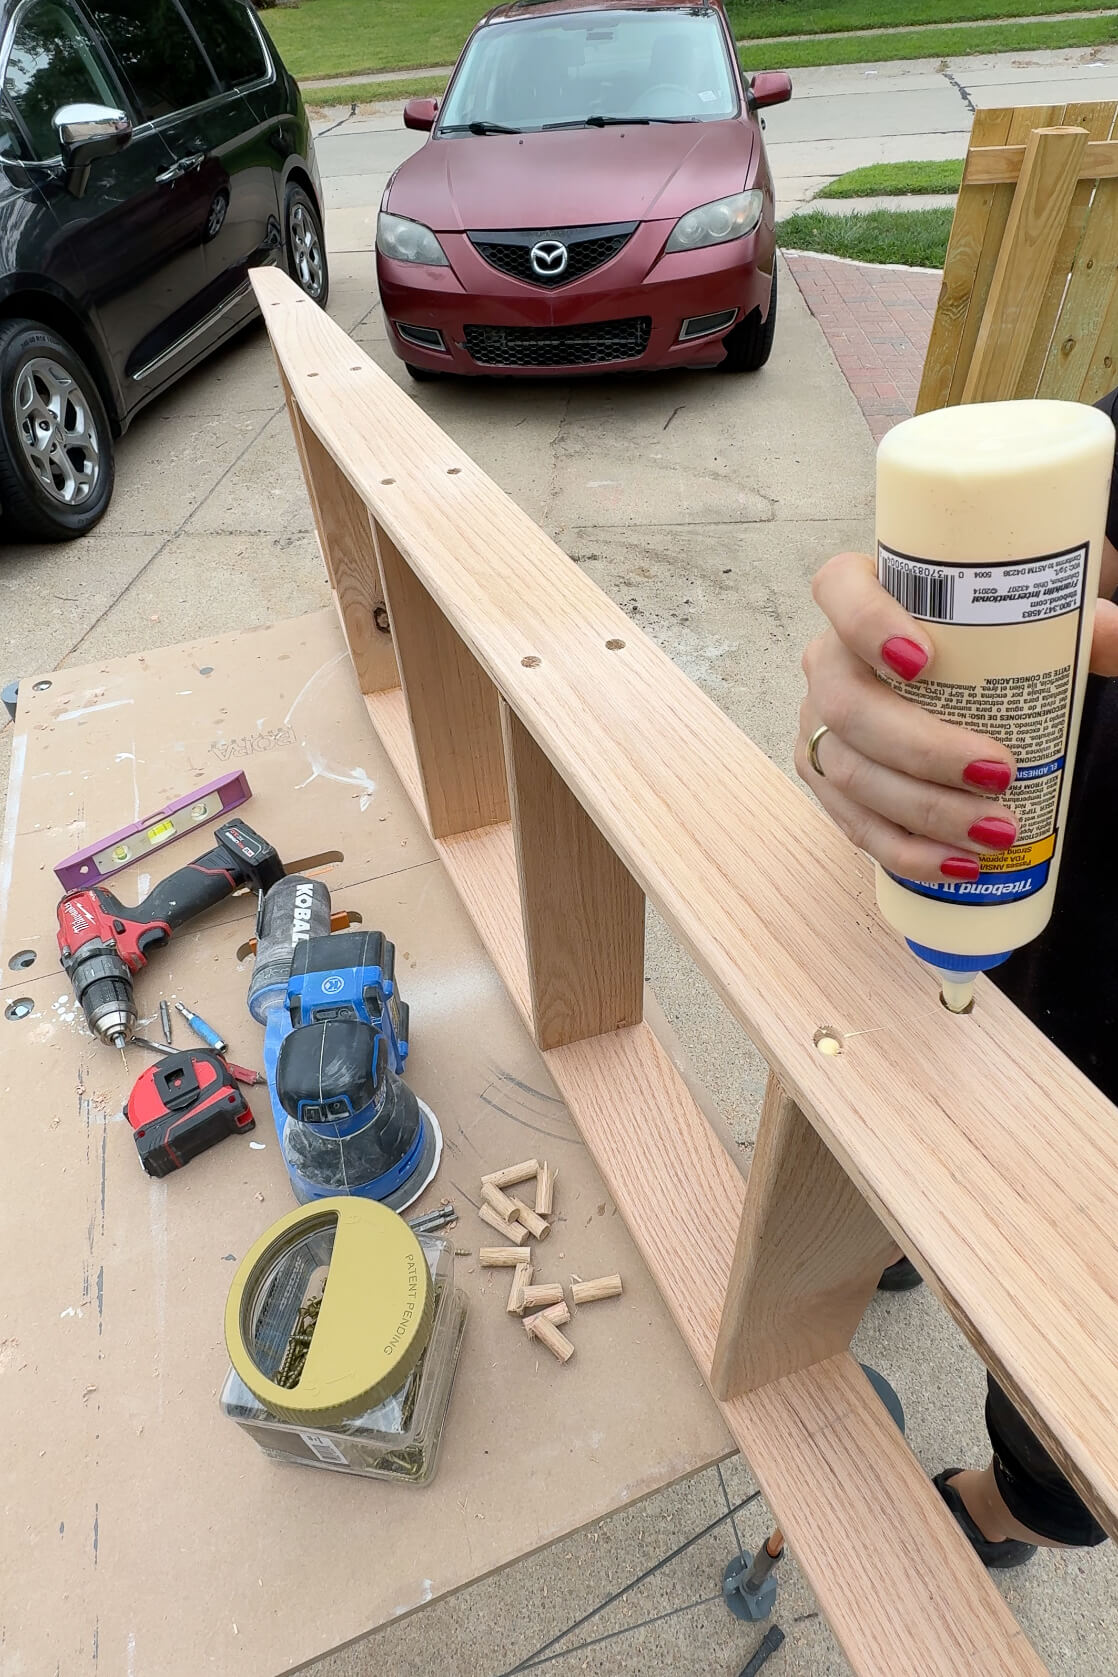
<point>878,322</point>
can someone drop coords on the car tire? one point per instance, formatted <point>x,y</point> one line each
<point>56,445</point>
<point>305,245</point>
<point>750,343</point>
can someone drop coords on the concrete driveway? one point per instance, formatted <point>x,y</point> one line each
<point>702,504</point>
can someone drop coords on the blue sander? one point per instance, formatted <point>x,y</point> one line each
<point>335,1045</point>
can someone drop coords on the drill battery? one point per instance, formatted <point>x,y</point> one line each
<point>182,1105</point>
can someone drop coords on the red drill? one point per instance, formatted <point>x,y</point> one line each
<point>102,943</point>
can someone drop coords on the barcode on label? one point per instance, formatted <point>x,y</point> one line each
<point>324,1449</point>
<point>922,591</point>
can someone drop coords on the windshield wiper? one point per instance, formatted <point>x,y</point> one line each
<point>479,128</point>
<point>616,121</point>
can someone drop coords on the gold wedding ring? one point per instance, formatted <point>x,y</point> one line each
<point>813,749</point>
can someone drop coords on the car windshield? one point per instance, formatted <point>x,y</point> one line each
<point>543,72</point>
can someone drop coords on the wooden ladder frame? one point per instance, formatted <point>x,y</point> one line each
<point>1029,300</point>
<point>567,771</point>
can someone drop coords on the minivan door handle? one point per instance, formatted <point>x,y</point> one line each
<point>182,167</point>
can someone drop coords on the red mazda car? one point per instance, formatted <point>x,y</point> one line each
<point>594,194</point>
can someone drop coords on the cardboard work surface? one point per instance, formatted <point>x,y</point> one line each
<point>143,1534</point>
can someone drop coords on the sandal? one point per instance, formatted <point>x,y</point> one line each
<point>998,1556</point>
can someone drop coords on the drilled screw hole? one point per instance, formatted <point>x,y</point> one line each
<point>828,1040</point>
<point>41,686</point>
<point>531,662</point>
<point>614,646</point>
<point>957,1011</point>
<point>387,480</point>
<point>21,959</point>
<point>20,1008</point>
<point>312,375</point>
<point>453,471</point>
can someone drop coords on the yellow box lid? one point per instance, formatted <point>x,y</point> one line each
<point>372,1326</point>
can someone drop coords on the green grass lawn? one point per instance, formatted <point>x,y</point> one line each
<point>888,180</point>
<point>352,37</point>
<point>917,238</point>
<point>930,43</point>
<point>371,93</point>
<point>753,19</point>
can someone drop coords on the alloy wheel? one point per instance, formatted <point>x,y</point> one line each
<point>56,432</point>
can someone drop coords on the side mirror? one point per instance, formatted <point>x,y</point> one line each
<point>86,132</point>
<point>420,114</point>
<point>770,87</point>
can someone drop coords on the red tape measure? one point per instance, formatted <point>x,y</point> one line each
<point>182,1105</point>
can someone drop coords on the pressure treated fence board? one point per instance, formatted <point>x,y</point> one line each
<point>1041,202</point>
<point>776,908</point>
<point>1062,297</point>
<point>872,1536</point>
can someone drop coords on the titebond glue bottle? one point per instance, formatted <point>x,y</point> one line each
<point>990,526</point>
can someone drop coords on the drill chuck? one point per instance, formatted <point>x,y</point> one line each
<point>103,986</point>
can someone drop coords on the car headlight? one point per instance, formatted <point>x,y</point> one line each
<point>408,241</point>
<point>717,223</point>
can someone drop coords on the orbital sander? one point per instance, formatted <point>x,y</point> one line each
<point>335,1045</point>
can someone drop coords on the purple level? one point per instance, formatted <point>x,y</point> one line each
<point>98,861</point>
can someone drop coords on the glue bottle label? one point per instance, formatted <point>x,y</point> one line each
<point>1028,708</point>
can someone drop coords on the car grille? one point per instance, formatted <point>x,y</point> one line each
<point>587,248</point>
<point>559,346</point>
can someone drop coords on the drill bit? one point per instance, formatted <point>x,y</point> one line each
<point>165,1021</point>
<point>118,1042</point>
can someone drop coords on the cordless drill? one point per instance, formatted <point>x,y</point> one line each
<point>102,943</point>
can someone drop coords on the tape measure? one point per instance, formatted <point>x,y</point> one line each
<point>373,1309</point>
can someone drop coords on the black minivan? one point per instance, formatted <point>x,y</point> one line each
<point>151,153</point>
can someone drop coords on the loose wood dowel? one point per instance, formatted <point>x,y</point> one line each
<point>516,1232</point>
<point>505,1207</point>
<point>548,1334</point>
<point>521,1279</point>
<point>545,1190</point>
<point>500,1257</point>
<point>559,1313</point>
<point>525,1215</point>
<point>512,1174</point>
<point>541,1297</point>
<point>605,1287</point>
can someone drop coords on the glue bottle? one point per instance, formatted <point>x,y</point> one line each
<point>990,525</point>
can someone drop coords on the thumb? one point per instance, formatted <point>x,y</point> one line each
<point>1104,646</point>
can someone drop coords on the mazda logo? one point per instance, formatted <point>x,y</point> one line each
<point>548,258</point>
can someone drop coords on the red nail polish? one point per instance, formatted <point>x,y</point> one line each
<point>904,656</point>
<point>994,831</point>
<point>959,867</point>
<point>988,776</point>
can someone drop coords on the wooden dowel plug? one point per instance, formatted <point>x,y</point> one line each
<point>521,1279</point>
<point>545,1189</point>
<point>559,1313</point>
<point>527,1217</point>
<point>500,1257</point>
<point>605,1287</point>
<point>548,1334</point>
<point>512,1174</point>
<point>539,1298</point>
<point>516,1232</point>
<point>502,1205</point>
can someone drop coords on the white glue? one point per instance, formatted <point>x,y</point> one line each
<point>990,526</point>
